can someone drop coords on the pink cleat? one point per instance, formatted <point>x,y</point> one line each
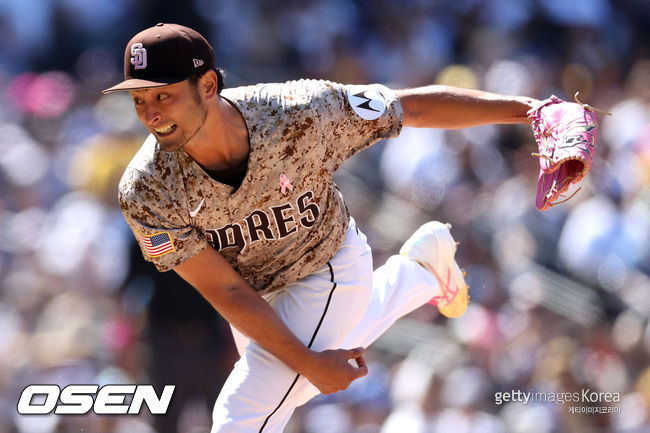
<point>433,247</point>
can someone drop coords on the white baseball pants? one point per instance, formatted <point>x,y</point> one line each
<point>344,305</point>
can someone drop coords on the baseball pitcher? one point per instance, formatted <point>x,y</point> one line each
<point>233,191</point>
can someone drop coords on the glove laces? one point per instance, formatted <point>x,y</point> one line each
<point>589,107</point>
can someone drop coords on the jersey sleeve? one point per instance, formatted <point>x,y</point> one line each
<point>165,236</point>
<point>356,116</point>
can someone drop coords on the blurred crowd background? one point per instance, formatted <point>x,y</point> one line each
<point>560,299</point>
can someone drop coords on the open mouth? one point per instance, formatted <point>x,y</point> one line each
<point>166,130</point>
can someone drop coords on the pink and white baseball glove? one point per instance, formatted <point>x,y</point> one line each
<point>566,135</point>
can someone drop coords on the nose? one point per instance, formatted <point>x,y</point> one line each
<point>151,115</point>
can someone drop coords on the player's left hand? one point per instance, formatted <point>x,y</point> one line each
<point>566,134</point>
<point>330,370</point>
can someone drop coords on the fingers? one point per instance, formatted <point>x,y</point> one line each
<point>361,362</point>
<point>362,369</point>
<point>356,352</point>
<point>338,369</point>
<point>357,355</point>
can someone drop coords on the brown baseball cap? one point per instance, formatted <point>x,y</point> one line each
<point>164,54</point>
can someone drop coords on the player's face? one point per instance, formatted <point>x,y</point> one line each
<point>173,114</point>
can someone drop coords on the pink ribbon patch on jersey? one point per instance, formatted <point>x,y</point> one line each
<point>285,184</point>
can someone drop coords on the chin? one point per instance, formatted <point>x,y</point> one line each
<point>170,147</point>
<point>169,144</point>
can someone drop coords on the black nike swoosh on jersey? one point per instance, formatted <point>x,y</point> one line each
<point>366,104</point>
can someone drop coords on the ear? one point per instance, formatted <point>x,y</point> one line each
<point>208,84</point>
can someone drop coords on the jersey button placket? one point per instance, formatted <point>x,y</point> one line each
<point>233,208</point>
<point>233,216</point>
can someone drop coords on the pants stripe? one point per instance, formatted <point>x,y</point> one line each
<point>313,337</point>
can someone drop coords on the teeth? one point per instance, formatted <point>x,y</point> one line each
<point>165,130</point>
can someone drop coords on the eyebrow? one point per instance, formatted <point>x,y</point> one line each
<point>139,91</point>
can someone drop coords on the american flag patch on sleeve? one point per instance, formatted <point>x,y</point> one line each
<point>157,244</point>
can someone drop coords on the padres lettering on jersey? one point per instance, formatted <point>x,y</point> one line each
<point>287,218</point>
<point>276,223</point>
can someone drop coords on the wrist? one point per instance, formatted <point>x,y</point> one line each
<point>527,105</point>
<point>300,359</point>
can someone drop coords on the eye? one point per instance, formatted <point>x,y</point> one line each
<point>137,101</point>
<point>162,96</point>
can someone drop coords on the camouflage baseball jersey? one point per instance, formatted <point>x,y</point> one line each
<point>287,218</point>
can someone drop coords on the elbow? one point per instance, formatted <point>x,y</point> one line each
<point>234,293</point>
<point>234,289</point>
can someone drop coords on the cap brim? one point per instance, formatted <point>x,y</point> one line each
<point>135,83</point>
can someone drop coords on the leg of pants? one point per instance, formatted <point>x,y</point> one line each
<point>337,307</point>
<point>399,287</point>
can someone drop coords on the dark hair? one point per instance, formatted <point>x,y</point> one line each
<point>194,78</point>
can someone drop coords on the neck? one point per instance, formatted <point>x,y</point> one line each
<point>222,141</point>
